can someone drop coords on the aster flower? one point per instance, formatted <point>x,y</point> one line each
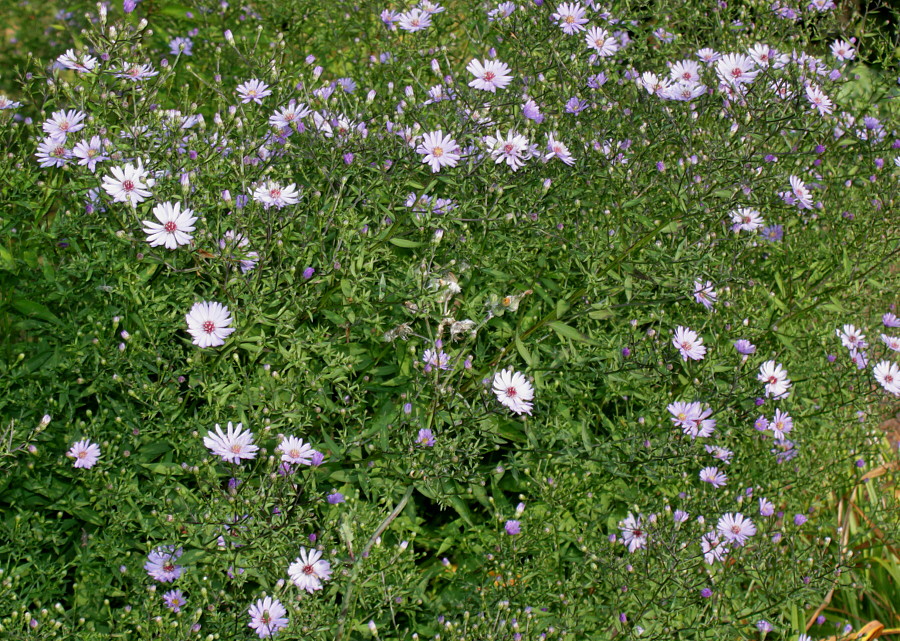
<point>513,150</point>
<point>161,565</point>
<point>775,378</point>
<point>70,60</point>
<point>819,100</point>
<point>766,508</point>
<point>800,194</point>
<point>781,424</point>
<point>289,117</point>
<point>720,453</point>
<point>181,46</point>
<point>253,91</point>
<point>173,227</point>
<point>772,233</point>
<point>295,451</point>
<point>425,438</point>
<point>267,617</point>
<point>700,425</point>
<point>600,41</point>
<point>684,414</point>
<point>90,152</point>
<point>843,50</point>
<point>490,76</point>
<point>575,105</point>
<point>271,194</point>
<point>704,293</point>
<point>174,599</point>
<point>128,183</point>
<point>687,71</point>
<point>414,20</point>
<point>136,72</point>
<point>430,7</point>
<point>62,123</point>
<point>689,344</point>
<point>7,103</point>
<point>852,338</point>
<point>744,347</point>
<point>85,453</point>
<point>234,241</point>
<point>708,55</point>
<point>51,153</point>
<point>209,324</point>
<point>633,534</point>
<point>746,219</point>
<point>892,342</point>
<point>736,69</point>
<point>502,10</point>
<point>436,358</point>
<point>557,149</point>
<point>713,476</point>
<point>762,54</point>
<point>233,446</point>
<point>736,528</point>
<point>438,150</point>
<point>570,17</point>
<point>309,570</point>
<point>513,527</point>
<point>513,391</point>
<point>888,376</point>
<point>713,548</point>
<point>890,320</point>
<point>683,91</point>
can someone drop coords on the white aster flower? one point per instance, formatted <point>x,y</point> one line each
<point>888,376</point>
<point>233,446</point>
<point>209,323</point>
<point>689,344</point>
<point>271,194</point>
<point>295,451</point>
<point>438,150</point>
<point>173,228</point>
<point>513,391</point>
<point>775,378</point>
<point>309,570</point>
<point>490,76</point>
<point>128,183</point>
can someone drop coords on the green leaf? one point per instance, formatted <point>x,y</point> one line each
<point>402,242</point>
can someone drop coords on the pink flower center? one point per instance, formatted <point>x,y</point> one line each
<point>773,380</point>
<point>170,226</point>
<point>687,346</point>
<point>736,73</point>
<point>507,148</point>
<point>295,453</point>
<point>64,125</point>
<point>82,454</point>
<point>511,392</point>
<point>488,76</point>
<point>127,185</point>
<point>59,151</point>
<point>275,193</point>
<point>236,448</point>
<point>308,570</point>
<point>735,529</point>
<point>209,327</point>
<point>570,19</point>
<point>437,152</point>
<point>637,533</point>
<point>168,567</point>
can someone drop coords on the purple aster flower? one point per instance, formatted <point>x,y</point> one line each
<point>308,273</point>
<point>425,438</point>
<point>773,233</point>
<point>336,498</point>
<point>575,105</point>
<point>799,519</point>
<point>174,599</point>
<point>531,111</point>
<point>706,593</point>
<point>744,346</point>
<point>512,527</point>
